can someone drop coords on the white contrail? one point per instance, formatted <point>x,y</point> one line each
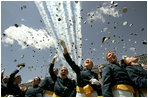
<point>77,13</point>
<point>60,26</point>
<point>53,12</point>
<point>48,22</point>
<point>71,29</point>
<point>65,26</point>
<point>64,23</point>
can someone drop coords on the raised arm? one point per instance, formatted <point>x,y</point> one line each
<point>52,74</point>
<point>12,75</point>
<point>64,46</point>
<point>72,64</point>
<point>2,74</point>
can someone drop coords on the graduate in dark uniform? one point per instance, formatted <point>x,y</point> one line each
<point>64,87</point>
<point>4,86</point>
<point>4,81</point>
<point>33,91</point>
<point>115,79</point>
<point>47,85</point>
<point>87,81</point>
<point>13,83</point>
<point>137,74</point>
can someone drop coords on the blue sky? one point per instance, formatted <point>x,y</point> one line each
<point>81,24</point>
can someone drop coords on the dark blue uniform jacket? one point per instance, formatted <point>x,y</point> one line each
<point>3,89</point>
<point>32,91</point>
<point>138,75</point>
<point>84,75</point>
<point>47,84</point>
<point>63,87</point>
<point>13,88</point>
<point>113,74</point>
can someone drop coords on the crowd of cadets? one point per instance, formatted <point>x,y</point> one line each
<point>127,79</point>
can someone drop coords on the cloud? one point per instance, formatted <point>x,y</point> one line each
<point>8,40</point>
<point>26,36</point>
<point>108,10</point>
<point>105,9</point>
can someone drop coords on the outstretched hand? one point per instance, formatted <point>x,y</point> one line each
<point>19,68</point>
<point>62,43</point>
<point>3,70</point>
<point>64,46</point>
<point>54,58</point>
<point>95,81</point>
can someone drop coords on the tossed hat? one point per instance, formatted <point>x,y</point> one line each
<point>21,64</point>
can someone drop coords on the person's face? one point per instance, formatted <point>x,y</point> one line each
<point>55,70</point>
<point>131,59</point>
<point>18,79</point>
<point>5,79</point>
<point>36,81</point>
<point>64,72</point>
<point>88,63</point>
<point>111,58</point>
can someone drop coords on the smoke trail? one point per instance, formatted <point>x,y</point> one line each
<point>58,26</point>
<point>57,12</point>
<point>71,29</point>
<point>77,13</point>
<point>59,21</point>
<point>48,22</point>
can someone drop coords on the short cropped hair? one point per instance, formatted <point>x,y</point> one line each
<point>17,76</point>
<point>107,54</point>
<point>38,78</point>
<point>126,62</point>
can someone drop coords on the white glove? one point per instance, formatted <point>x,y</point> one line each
<point>3,70</point>
<point>20,67</point>
<point>95,81</point>
<point>56,56</point>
